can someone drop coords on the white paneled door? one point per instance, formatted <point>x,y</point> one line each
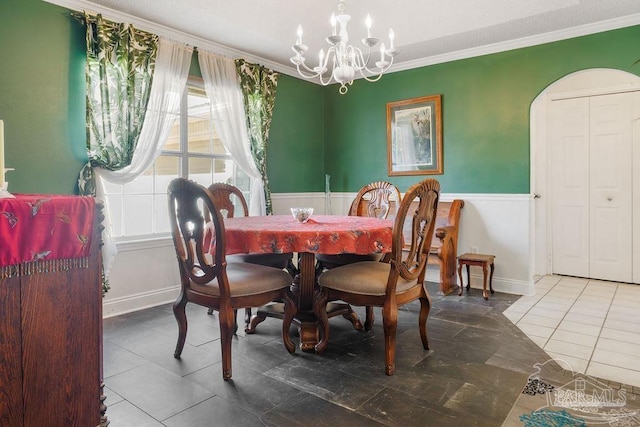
<point>610,187</point>
<point>569,143</point>
<point>591,175</point>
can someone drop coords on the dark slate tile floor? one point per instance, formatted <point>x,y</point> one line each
<point>478,364</point>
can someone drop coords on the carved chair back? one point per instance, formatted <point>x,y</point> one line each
<point>227,198</point>
<point>376,199</point>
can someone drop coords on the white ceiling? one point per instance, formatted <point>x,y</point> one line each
<point>427,31</point>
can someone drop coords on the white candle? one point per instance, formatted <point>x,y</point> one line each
<point>382,52</point>
<point>299,32</point>
<point>333,24</point>
<point>1,151</point>
<point>368,22</point>
<point>392,37</point>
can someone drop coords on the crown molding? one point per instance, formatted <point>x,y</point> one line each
<point>554,36</point>
<point>164,31</point>
<point>171,33</point>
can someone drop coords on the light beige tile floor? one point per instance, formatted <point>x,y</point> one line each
<point>593,325</point>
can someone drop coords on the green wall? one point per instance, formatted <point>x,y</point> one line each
<point>295,153</point>
<point>42,96</point>
<point>485,103</point>
<point>42,104</point>
<point>315,130</point>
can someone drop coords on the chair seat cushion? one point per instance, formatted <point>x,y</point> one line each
<point>344,259</point>
<point>366,278</point>
<point>270,260</point>
<point>247,279</point>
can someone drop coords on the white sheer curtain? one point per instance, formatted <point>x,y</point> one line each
<point>169,80</point>
<point>223,89</point>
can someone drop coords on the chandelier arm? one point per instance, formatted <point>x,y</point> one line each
<point>381,70</point>
<point>313,74</point>
<point>361,64</point>
<point>372,79</point>
<point>331,53</point>
<point>358,58</point>
<point>321,69</point>
<point>323,82</point>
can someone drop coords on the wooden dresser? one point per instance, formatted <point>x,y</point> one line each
<point>51,312</point>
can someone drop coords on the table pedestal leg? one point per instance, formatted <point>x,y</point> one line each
<point>303,289</point>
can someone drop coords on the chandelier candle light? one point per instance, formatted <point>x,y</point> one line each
<point>346,59</point>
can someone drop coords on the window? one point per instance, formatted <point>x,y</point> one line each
<point>193,150</point>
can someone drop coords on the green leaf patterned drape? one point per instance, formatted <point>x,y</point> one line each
<point>119,70</point>
<point>258,86</point>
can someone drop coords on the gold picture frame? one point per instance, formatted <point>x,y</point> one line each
<point>414,136</point>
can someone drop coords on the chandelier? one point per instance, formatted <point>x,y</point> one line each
<point>344,59</point>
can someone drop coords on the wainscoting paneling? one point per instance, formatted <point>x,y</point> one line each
<point>145,274</point>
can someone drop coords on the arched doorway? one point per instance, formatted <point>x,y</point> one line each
<point>583,83</point>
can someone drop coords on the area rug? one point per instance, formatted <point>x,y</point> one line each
<point>555,396</point>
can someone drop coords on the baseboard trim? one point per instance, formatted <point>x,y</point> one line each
<point>500,284</point>
<point>130,303</point>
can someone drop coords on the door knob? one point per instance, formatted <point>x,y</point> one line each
<point>609,199</point>
<point>536,196</point>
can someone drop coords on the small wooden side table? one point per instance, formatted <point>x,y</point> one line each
<point>482,260</point>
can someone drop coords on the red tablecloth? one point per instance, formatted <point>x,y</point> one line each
<point>36,227</point>
<point>327,234</point>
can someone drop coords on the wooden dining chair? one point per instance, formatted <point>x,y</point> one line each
<point>376,200</point>
<point>395,281</point>
<point>228,199</point>
<point>208,279</point>
<point>224,196</point>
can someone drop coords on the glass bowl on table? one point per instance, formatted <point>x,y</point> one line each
<point>302,215</point>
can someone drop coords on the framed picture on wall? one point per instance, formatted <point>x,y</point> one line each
<point>414,136</point>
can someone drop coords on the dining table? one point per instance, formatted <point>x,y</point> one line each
<point>320,234</point>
